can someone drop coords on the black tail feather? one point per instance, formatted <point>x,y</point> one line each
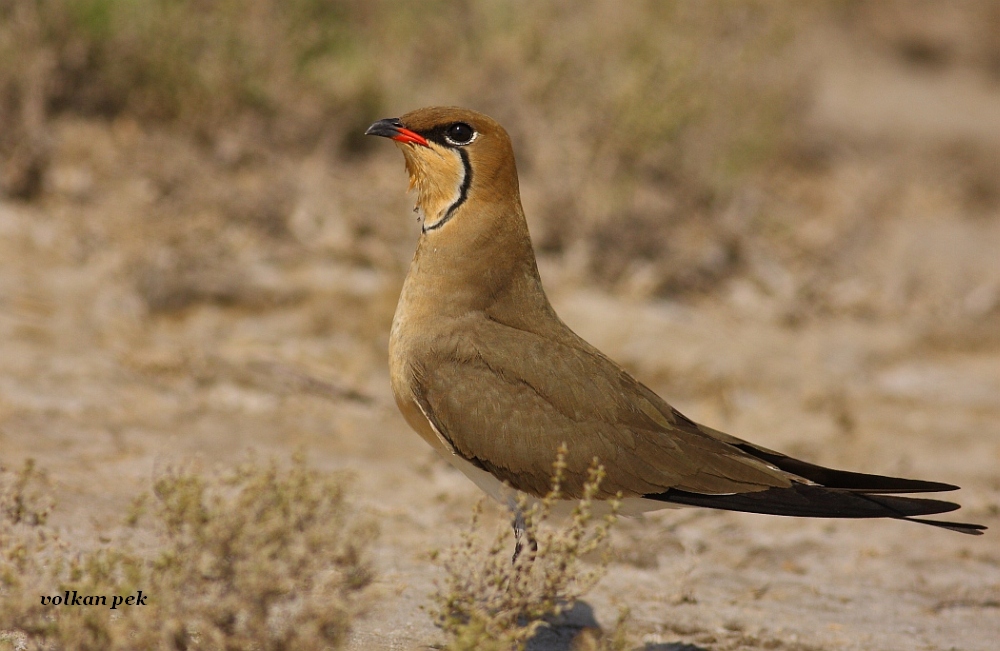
<point>804,500</point>
<point>960,527</point>
<point>844,480</point>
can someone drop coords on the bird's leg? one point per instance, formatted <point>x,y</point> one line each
<point>518,534</point>
<point>520,531</point>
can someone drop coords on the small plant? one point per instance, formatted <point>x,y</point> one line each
<point>487,602</point>
<point>256,558</point>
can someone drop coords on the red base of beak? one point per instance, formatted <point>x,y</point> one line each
<point>405,135</point>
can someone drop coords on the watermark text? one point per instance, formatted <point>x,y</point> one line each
<point>73,598</point>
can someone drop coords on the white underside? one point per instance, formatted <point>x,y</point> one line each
<point>630,506</point>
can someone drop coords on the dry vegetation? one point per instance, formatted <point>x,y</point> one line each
<point>488,602</point>
<point>784,216</point>
<point>256,558</point>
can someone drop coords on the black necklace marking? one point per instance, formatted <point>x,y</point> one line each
<point>463,193</point>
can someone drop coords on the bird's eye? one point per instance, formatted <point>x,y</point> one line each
<point>459,134</point>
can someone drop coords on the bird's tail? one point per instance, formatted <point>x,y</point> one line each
<point>807,500</point>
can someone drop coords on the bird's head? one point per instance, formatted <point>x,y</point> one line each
<point>455,158</point>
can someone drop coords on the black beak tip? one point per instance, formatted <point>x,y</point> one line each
<point>386,128</point>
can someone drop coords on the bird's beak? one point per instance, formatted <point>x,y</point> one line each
<point>393,128</point>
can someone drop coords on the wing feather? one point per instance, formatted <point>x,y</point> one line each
<point>507,398</point>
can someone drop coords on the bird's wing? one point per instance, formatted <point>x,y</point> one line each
<point>829,477</point>
<point>506,399</point>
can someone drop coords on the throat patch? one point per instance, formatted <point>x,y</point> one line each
<point>463,193</point>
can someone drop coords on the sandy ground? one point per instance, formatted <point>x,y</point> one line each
<point>115,363</point>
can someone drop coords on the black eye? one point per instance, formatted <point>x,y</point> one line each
<point>459,134</point>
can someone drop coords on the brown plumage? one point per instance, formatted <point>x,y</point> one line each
<point>486,372</point>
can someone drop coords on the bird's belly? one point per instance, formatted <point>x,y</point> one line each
<point>630,506</point>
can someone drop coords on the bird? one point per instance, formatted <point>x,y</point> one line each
<point>486,372</point>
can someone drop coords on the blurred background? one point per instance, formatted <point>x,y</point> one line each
<point>668,150</point>
<point>785,216</point>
